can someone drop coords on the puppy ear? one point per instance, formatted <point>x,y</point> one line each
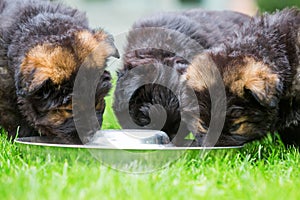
<point>256,79</point>
<point>97,44</point>
<point>25,90</point>
<point>44,63</point>
<point>264,89</point>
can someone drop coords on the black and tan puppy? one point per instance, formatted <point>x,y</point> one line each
<point>156,42</point>
<point>42,46</point>
<point>260,69</point>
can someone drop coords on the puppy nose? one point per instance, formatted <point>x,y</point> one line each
<point>181,68</point>
<point>116,54</point>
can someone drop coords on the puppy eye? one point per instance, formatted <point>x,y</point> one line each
<point>67,99</point>
<point>235,127</point>
<point>69,111</point>
<point>236,113</point>
<point>42,93</point>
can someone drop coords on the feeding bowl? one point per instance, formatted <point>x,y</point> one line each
<point>126,150</point>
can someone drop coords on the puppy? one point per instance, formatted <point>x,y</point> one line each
<point>260,70</point>
<point>154,44</point>
<point>42,46</point>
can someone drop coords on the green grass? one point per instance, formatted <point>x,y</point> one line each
<point>260,170</point>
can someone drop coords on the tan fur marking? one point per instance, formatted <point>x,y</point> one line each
<point>48,61</point>
<point>244,129</point>
<point>240,120</point>
<point>201,72</point>
<point>65,107</point>
<point>200,127</point>
<point>194,78</point>
<point>58,63</point>
<point>100,35</point>
<point>252,75</point>
<point>100,105</point>
<point>58,117</point>
<point>92,46</point>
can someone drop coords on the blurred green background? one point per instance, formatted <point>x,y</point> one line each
<point>267,5</point>
<point>116,16</point>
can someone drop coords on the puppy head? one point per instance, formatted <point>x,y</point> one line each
<point>46,77</point>
<point>160,38</point>
<point>247,77</point>
<point>252,96</point>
